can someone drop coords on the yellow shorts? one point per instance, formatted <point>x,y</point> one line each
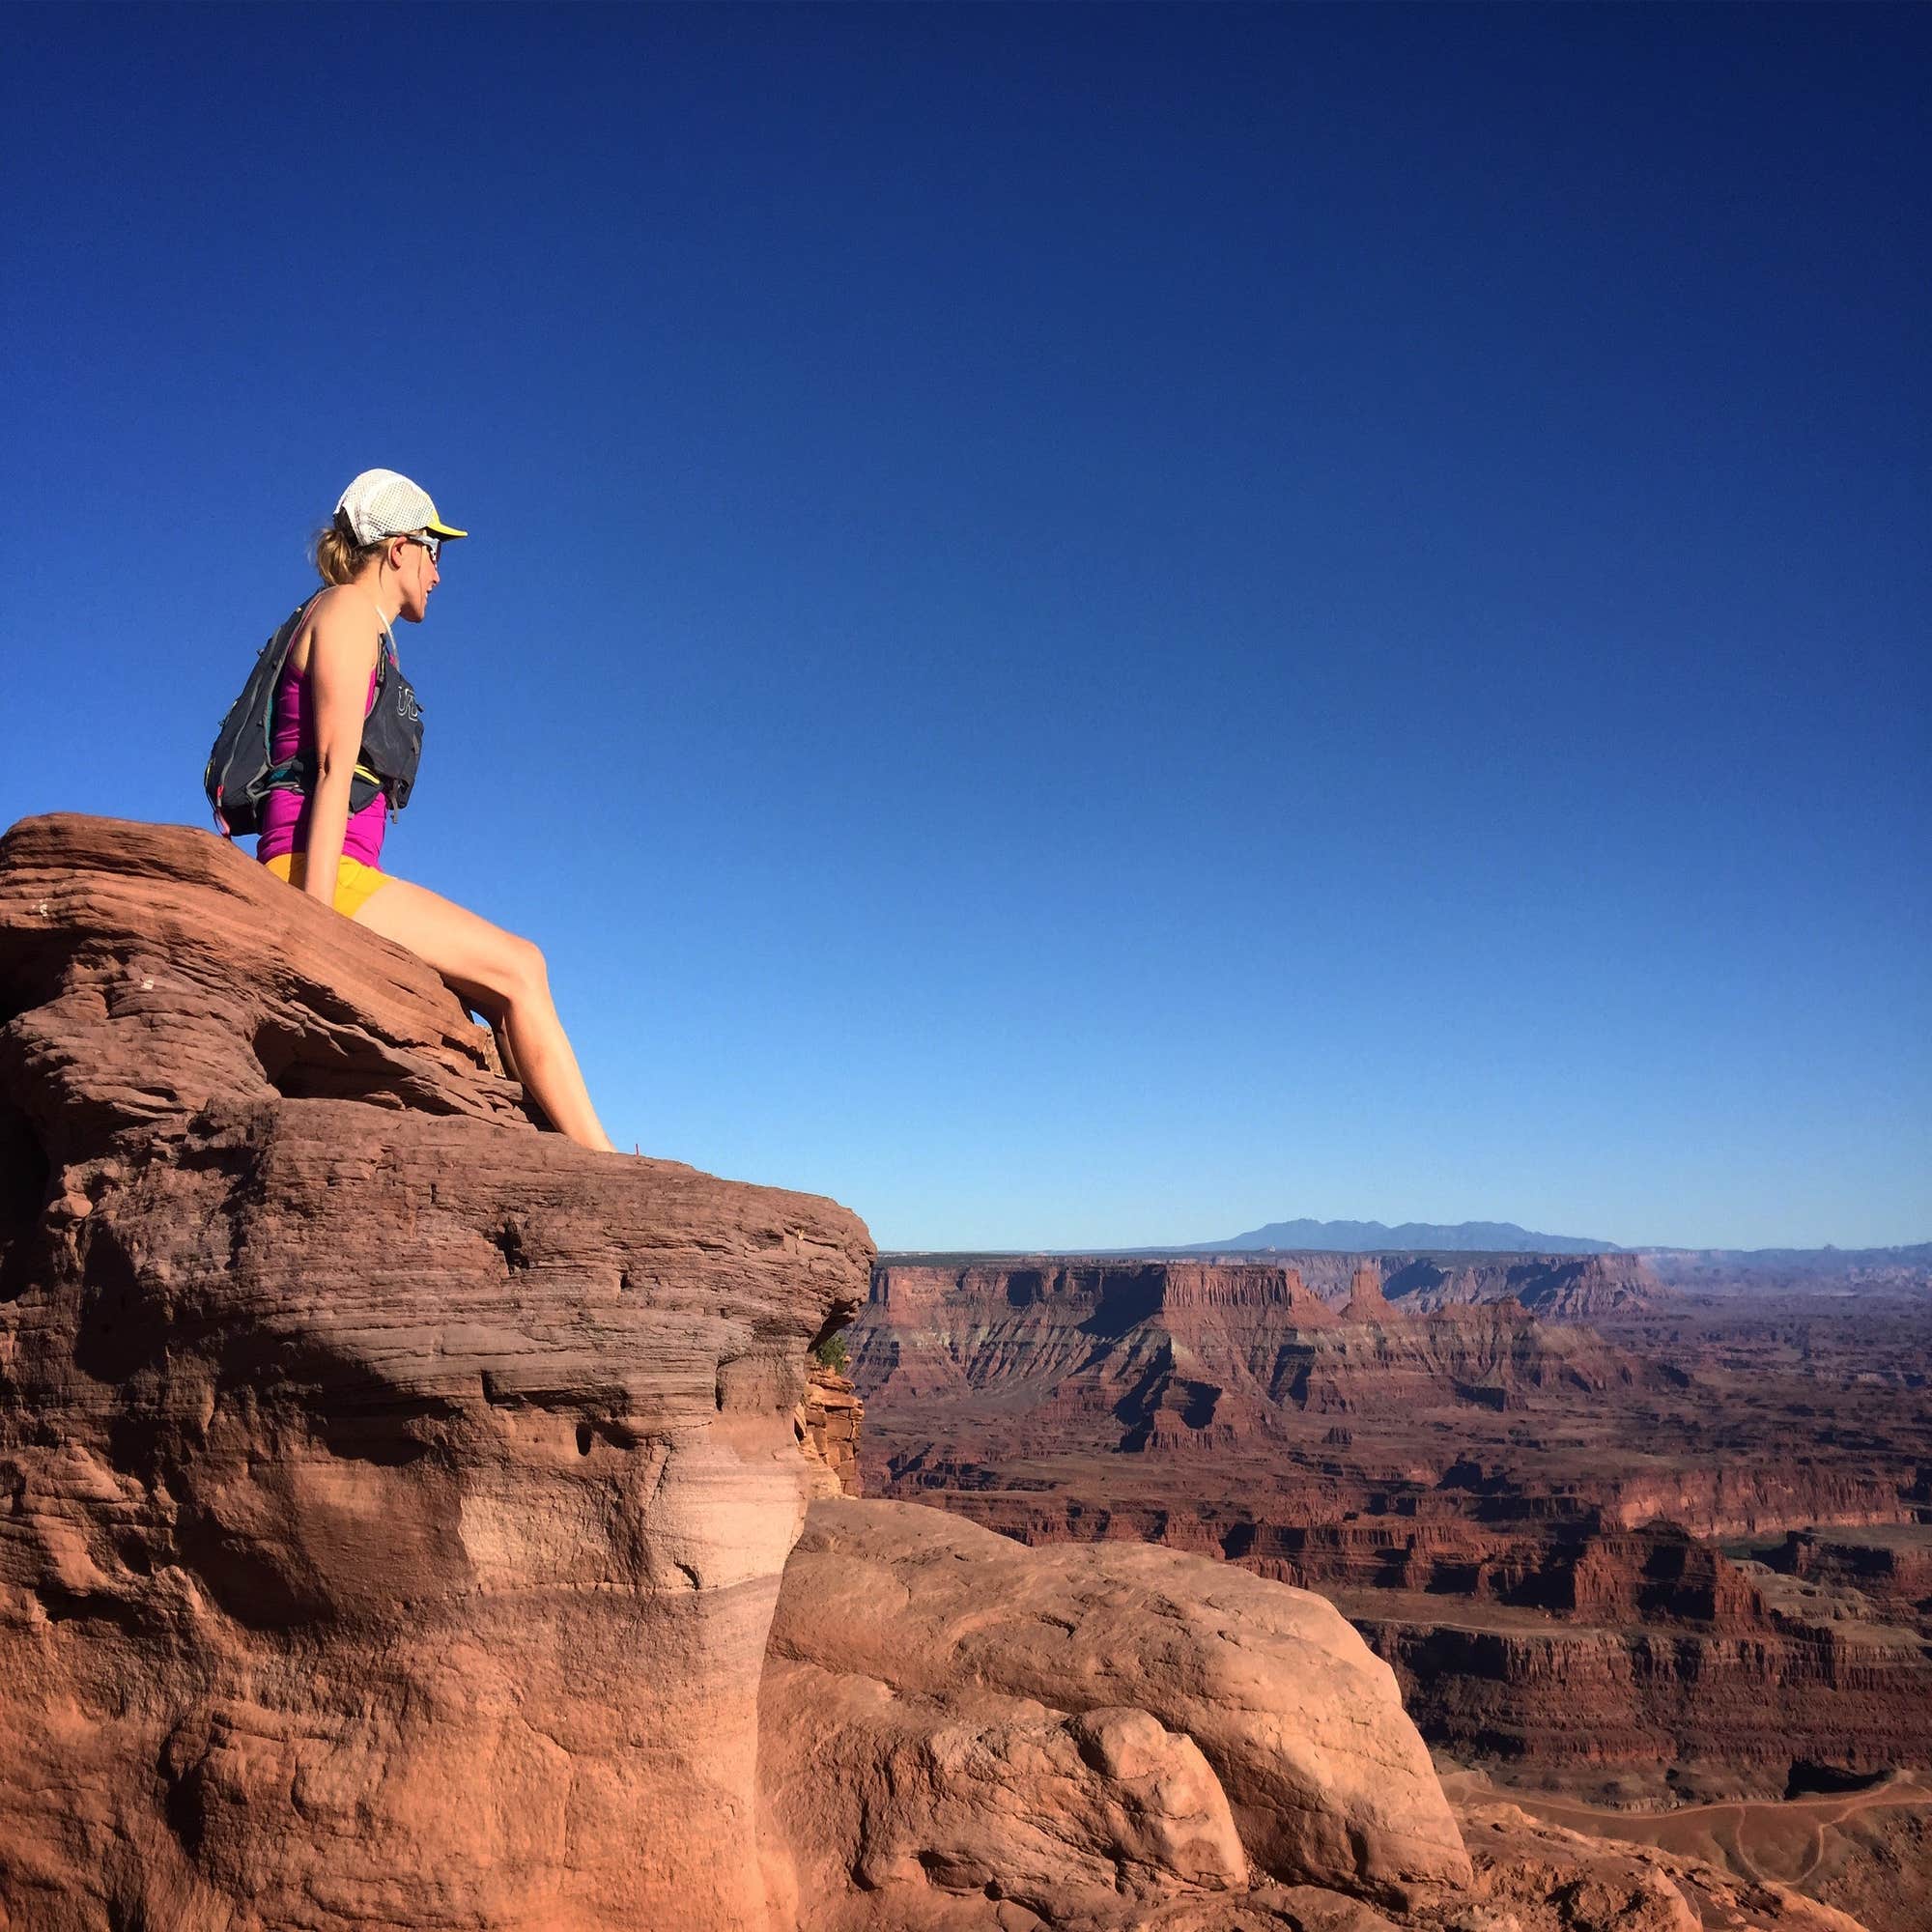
<point>355,884</point>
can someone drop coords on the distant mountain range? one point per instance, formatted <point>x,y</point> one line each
<point>1884,1270</point>
<point>1364,1236</point>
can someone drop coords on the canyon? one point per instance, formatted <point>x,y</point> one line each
<point>1638,1546</point>
<point>410,1519</point>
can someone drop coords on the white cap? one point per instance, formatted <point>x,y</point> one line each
<point>381,503</point>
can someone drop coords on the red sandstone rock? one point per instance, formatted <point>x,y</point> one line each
<point>1557,1699</point>
<point>1366,1300</point>
<point>959,1797</point>
<point>827,1424</point>
<point>1890,1566</point>
<point>1565,1288</point>
<point>1326,1777</point>
<point>1153,1356</point>
<point>393,1497</point>
<point>935,1758</point>
<point>1557,1288</point>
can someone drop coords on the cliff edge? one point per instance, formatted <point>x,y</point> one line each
<point>393,1497</point>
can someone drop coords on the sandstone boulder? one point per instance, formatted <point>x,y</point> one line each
<point>912,1809</point>
<point>899,1624</point>
<point>393,1497</point>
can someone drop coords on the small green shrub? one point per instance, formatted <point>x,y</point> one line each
<point>831,1355</point>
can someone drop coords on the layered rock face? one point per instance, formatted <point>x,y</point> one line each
<point>1566,1698</point>
<point>1176,1357</point>
<point>1221,1350</point>
<point>1890,1567</point>
<point>1579,1287</point>
<point>395,1496</point>
<point>827,1424</point>
<point>1558,1287</point>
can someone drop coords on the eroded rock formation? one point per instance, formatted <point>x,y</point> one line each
<point>394,1496</point>
<point>827,1424</point>
<point>1366,1300</point>
<point>1558,1287</point>
<point>1107,1675</point>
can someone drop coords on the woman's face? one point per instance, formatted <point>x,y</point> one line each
<point>416,576</point>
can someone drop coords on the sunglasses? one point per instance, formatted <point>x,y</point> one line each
<point>433,545</point>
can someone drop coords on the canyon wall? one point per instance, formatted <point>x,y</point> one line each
<point>1558,1287</point>
<point>1723,1701</point>
<point>1708,1532</point>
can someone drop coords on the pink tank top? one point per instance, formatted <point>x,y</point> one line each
<point>285,813</point>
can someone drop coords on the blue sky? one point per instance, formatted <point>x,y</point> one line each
<point>1085,625</point>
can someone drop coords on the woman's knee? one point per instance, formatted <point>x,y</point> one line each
<point>521,969</point>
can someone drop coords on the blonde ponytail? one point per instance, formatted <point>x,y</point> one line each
<point>336,553</point>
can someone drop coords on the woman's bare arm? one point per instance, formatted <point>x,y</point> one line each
<point>341,655</point>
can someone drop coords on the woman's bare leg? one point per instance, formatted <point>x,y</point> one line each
<point>505,1052</point>
<point>503,977</point>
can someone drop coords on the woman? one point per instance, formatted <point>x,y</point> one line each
<point>380,560</point>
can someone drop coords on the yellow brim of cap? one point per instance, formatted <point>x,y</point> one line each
<point>444,530</point>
